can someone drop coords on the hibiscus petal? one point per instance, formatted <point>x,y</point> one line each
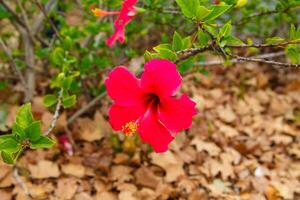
<point>160,77</point>
<point>120,115</point>
<point>123,87</point>
<point>118,35</point>
<point>154,133</point>
<point>176,114</point>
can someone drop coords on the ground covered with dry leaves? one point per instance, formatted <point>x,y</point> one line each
<point>243,144</point>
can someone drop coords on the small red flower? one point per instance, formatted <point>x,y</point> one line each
<point>126,14</point>
<point>148,105</point>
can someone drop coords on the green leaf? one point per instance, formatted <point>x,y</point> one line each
<point>167,54</point>
<point>164,51</point>
<point>217,11</point>
<point>292,33</point>
<point>293,54</point>
<point>24,116</point>
<point>50,100</point>
<point>7,158</point>
<point>69,101</point>
<point>202,12</point>
<point>225,31</point>
<point>186,42</point>
<point>10,145</point>
<point>189,8</point>
<point>43,142</point>
<point>18,131</point>
<point>274,40</point>
<point>233,40</point>
<point>33,131</point>
<point>4,13</point>
<point>68,43</point>
<point>177,42</point>
<point>203,38</point>
<point>147,56</point>
<point>67,82</point>
<point>57,56</point>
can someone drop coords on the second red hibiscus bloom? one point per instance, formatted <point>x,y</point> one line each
<point>125,15</point>
<point>148,105</point>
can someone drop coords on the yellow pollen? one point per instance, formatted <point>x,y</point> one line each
<point>130,128</point>
<point>98,12</point>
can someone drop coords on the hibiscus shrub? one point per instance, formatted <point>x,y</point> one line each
<point>67,50</point>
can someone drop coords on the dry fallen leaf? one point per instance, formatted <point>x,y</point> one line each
<point>74,170</point>
<point>106,196</point>
<point>226,114</point>
<point>211,148</point>
<point>171,163</point>
<point>92,130</point>
<point>66,188</point>
<point>44,169</point>
<point>145,177</point>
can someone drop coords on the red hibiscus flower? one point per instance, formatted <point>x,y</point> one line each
<point>126,14</point>
<point>148,105</point>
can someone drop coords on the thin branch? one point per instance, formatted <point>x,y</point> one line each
<point>40,18</point>
<point>283,44</point>
<point>13,64</point>
<point>191,52</point>
<point>44,11</point>
<point>18,19</point>
<point>56,113</point>
<point>260,14</point>
<point>259,60</point>
<point>222,62</point>
<point>20,182</point>
<point>86,107</point>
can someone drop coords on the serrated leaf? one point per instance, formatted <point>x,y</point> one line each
<point>50,100</point>
<point>24,116</point>
<point>293,54</point>
<point>217,11</point>
<point>69,101</point>
<point>202,12</point>
<point>203,38</point>
<point>18,131</point>
<point>225,31</point>
<point>33,131</point>
<point>57,56</point>
<point>147,56</point>
<point>189,8</point>
<point>67,82</point>
<point>292,33</point>
<point>167,54</point>
<point>186,42</point>
<point>7,158</point>
<point>233,40</point>
<point>43,142</point>
<point>9,145</point>
<point>177,42</point>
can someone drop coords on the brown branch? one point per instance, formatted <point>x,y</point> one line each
<point>283,44</point>
<point>259,60</point>
<point>44,11</point>
<point>19,21</point>
<point>14,65</point>
<point>187,53</point>
<point>86,107</point>
<point>56,113</point>
<point>260,14</point>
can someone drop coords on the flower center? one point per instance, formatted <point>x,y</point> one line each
<point>130,128</point>
<point>152,100</point>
